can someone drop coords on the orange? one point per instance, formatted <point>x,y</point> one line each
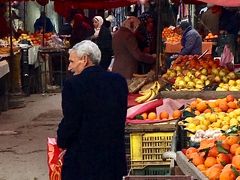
<point>202,106</point>
<point>197,112</point>
<point>201,167</point>
<point>236,161</point>
<point>212,104</point>
<point>163,115</point>
<point>152,116</point>
<point>213,152</point>
<point>190,151</point>
<point>223,159</point>
<point>223,106</point>
<point>227,174</point>
<point>230,98</point>
<point>177,114</point>
<point>237,152</point>
<point>230,140</point>
<point>144,115</point>
<point>207,111</point>
<point>197,160</point>
<point>214,172</point>
<point>233,148</point>
<point>232,105</point>
<point>210,161</point>
<point>193,104</point>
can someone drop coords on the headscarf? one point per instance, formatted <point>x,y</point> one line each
<point>99,19</point>
<point>131,23</point>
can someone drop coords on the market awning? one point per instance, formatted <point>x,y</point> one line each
<point>62,7</point>
<point>226,3</point>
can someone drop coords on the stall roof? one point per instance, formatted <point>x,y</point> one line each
<point>226,3</point>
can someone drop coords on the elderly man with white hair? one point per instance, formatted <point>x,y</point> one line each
<point>94,104</point>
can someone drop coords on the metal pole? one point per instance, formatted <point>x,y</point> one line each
<point>10,26</point>
<point>44,26</point>
<point>159,40</point>
<point>24,16</point>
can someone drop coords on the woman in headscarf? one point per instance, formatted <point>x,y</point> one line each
<point>103,38</point>
<point>127,54</point>
<point>81,29</point>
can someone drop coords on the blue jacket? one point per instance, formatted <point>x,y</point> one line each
<point>191,42</point>
<point>92,130</point>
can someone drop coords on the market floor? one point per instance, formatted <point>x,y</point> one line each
<point>23,137</point>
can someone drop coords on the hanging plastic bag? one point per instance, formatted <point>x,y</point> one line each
<point>55,159</point>
<point>227,58</point>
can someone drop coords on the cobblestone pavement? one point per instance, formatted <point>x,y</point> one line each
<point>23,138</point>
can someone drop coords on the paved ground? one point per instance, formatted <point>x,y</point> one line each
<point>23,155</point>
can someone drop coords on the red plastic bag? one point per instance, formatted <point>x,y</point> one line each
<point>55,162</point>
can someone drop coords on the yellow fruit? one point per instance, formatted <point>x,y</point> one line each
<point>213,117</point>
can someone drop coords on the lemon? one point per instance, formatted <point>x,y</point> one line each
<point>233,122</point>
<point>213,117</point>
<point>225,127</point>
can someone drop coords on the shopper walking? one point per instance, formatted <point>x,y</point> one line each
<point>103,38</point>
<point>94,103</point>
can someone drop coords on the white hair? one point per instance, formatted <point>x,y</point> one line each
<point>88,48</point>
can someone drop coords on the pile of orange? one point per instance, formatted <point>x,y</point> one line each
<point>162,116</point>
<point>192,62</point>
<point>211,36</point>
<point>227,104</point>
<point>216,164</point>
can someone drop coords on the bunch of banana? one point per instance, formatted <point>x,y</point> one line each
<point>149,94</point>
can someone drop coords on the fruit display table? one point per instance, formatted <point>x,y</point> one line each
<point>45,58</point>
<point>176,47</point>
<point>4,70</point>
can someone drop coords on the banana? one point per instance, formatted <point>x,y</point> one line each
<point>143,98</point>
<point>153,95</point>
<point>144,92</point>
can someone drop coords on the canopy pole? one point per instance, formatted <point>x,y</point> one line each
<point>44,26</point>
<point>24,16</point>
<point>159,61</point>
<point>11,29</point>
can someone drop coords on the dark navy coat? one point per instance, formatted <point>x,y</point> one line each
<point>191,42</point>
<point>94,106</point>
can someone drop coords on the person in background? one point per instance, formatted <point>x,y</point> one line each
<point>191,40</point>
<point>81,29</point>
<point>210,20</point>
<point>94,104</point>
<point>146,38</point>
<point>5,29</point>
<point>127,54</point>
<point>103,38</point>
<point>43,21</point>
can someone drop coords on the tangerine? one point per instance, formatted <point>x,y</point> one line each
<point>190,151</point>
<point>223,159</point>
<point>233,148</point>
<point>202,106</point>
<point>232,105</point>
<point>152,116</point>
<point>213,152</point>
<point>214,172</point>
<point>223,106</point>
<point>201,167</point>
<point>177,114</point>
<point>230,140</point>
<point>144,115</point>
<point>236,161</point>
<point>230,98</point>
<point>210,161</point>
<point>227,174</point>
<point>163,115</point>
<point>237,152</point>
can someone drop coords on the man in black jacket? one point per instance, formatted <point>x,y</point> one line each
<point>94,104</point>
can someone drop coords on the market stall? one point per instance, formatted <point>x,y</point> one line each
<point>4,70</point>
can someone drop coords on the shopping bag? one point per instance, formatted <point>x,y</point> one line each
<point>55,159</point>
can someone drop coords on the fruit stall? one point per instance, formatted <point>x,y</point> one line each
<point>195,104</point>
